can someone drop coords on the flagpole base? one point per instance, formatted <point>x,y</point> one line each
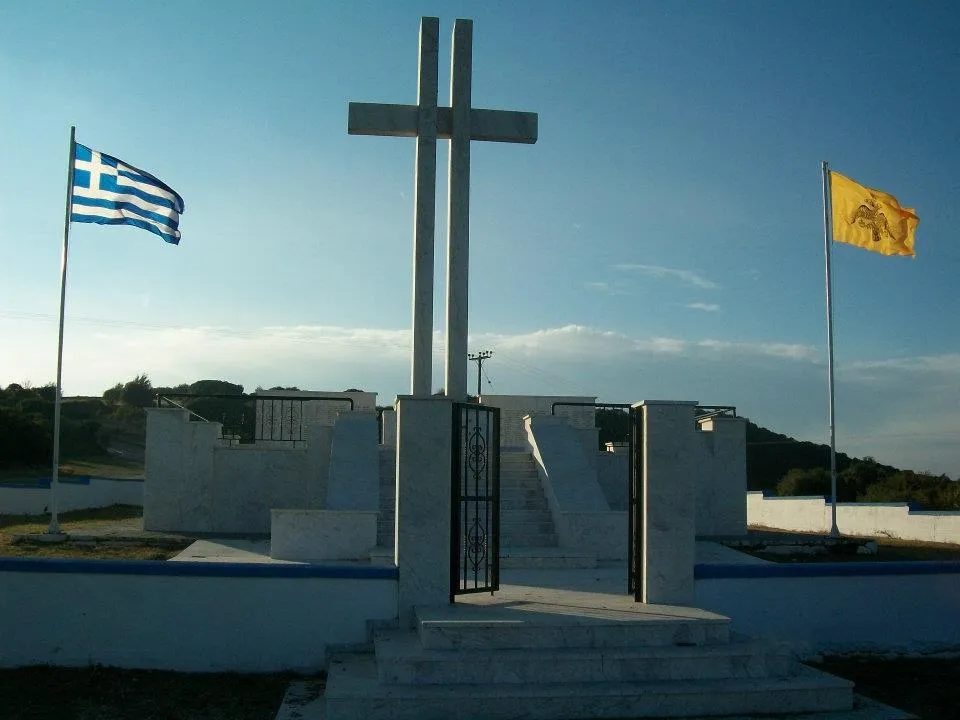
<point>53,535</point>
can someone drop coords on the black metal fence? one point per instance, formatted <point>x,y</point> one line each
<point>256,417</point>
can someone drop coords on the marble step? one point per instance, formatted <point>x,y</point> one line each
<point>523,539</point>
<point>526,505</point>
<point>516,457</point>
<point>353,691</point>
<point>544,558</point>
<point>519,481</point>
<point>522,516</point>
<point>463,625</point>
<point>526,526</point>
<point>534,492</point>
<point>401,659</point>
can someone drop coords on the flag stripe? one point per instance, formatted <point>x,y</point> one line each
<point>172,238</point>
<point>124,209</point>
<point>122,195</point>
<point>143,200</point>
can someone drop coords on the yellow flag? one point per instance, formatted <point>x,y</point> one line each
<point>871,219</point>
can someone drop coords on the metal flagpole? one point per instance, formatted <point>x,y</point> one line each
<point>827,226</point>
<point>54,528</point>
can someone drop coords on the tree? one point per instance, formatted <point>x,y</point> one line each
<point>215,387</point>
<point>113,395</point>
<point>24,440</point>
<point>802,482</point>
<point>137,392</point>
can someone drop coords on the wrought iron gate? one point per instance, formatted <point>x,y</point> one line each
<point>635,506</point>
<point>475,500</point>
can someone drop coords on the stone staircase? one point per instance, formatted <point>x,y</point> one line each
<point>566,654</point>
<point>524,516</point>
<point>388,496</point>
<point>528,538</point>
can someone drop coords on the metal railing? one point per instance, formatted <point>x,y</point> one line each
<point>251,418</point>
<point>705,412</point>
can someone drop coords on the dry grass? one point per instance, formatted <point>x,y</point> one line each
<point>926,687</point>
<point>106,466</point>
<point>80,521</point>
<point>888,550</point>
<point>39,693</point>
<point>103,467</point>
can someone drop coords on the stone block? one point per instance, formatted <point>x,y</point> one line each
<point>317,535</point>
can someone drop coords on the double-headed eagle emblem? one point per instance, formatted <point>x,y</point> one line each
<point>870,216</point>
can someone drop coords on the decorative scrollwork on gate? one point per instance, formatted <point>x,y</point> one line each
<point>476,452</point>
<point>475,540</point>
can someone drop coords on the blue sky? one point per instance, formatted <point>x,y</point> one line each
<point>663,238</point>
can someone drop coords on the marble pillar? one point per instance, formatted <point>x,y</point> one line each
<point>458,211</point>
<point>422,529</point>
<point>670,453</point>
<point>424,209</point>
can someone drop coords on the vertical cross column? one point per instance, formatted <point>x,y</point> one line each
<point>424,212</point>
<point>458,211</point>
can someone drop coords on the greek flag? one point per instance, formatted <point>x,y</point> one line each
<point>107,191</point>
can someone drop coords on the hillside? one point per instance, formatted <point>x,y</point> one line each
<point>113,426</point>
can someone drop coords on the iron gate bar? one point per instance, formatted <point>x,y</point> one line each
<point>635,506</point>
<point>475,545</point>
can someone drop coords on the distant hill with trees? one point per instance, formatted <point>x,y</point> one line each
<point>93,426</point>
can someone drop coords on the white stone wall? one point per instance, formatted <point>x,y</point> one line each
<point>722,477</point>
<point>389,424</point>
<point>842,610</point>
<point>813,514</point>
<point>613,470</point>
<point>217,618</point>
<point>71,495</point>
<point>513,408</point>
<point>197,483</point>
<point>354,482</point>
<point>322,535</point>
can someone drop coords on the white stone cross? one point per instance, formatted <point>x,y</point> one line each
<point>460,123</point>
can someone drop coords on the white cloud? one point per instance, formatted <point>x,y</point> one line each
<point>706,307</point>
<point>788,351</point>
<point>942,364</point>
<point>903,411</point>
<point>606,288</point>
<point>691,277</point>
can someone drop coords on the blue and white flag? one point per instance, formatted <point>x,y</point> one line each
<point>110,192</point>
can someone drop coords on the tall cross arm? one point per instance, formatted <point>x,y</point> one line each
<point>401,121</point>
